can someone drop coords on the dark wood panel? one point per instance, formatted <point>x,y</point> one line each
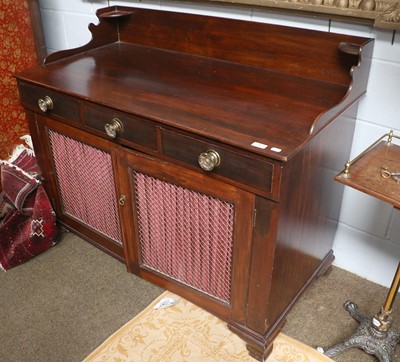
<point>307,225</point>
<point>37,27</point>
<point>261,45</point>
<point>247,170</point>
<point>136,131</point>
<point>63,106</point>
<point>262,264</point>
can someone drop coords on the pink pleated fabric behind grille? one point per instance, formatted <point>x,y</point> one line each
<point>86,183</point>
<point>185,235</point>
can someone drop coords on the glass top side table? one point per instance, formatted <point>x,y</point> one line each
<point>376,172</point>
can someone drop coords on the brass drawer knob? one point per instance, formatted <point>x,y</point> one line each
<point>113,128</point>
<point>45,104</point>
<point>209,160</point>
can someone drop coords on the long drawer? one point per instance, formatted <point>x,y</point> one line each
<point>131,129</point>
<point>249,171</point>
<point>42,100</point>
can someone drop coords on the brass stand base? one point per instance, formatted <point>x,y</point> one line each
<point>380,344</point>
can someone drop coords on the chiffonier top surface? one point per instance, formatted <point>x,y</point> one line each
<point>182,71</point>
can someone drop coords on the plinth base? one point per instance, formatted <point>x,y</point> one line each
<point>380,344</point>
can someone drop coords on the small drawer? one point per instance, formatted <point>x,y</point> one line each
<point>120,126</point>
<point>50,103</point>
<point>251,172</point>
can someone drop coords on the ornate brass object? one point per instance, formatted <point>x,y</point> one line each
<point>390,136</point>
<point>45,104</point>
<point>113,128</point>
<point>382,13</point>
<point>209,160</point>
<point>382,321</point>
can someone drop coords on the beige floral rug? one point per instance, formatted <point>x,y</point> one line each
<point>187,333</point>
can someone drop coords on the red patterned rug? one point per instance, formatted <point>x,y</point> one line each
<point>27,220</point>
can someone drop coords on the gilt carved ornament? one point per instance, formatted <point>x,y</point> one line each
<point>382,13</point>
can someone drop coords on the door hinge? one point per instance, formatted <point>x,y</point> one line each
<point>254,217</point>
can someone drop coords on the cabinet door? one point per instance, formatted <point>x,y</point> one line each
<point>188,233</point>
<point>80,169</point>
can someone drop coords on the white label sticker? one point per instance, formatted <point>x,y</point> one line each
<point>259,145</point>
<point>276,149</point>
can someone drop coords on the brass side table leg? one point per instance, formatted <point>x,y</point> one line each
<point>373,334</point>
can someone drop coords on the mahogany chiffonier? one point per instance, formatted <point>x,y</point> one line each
<point>201,151</point>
